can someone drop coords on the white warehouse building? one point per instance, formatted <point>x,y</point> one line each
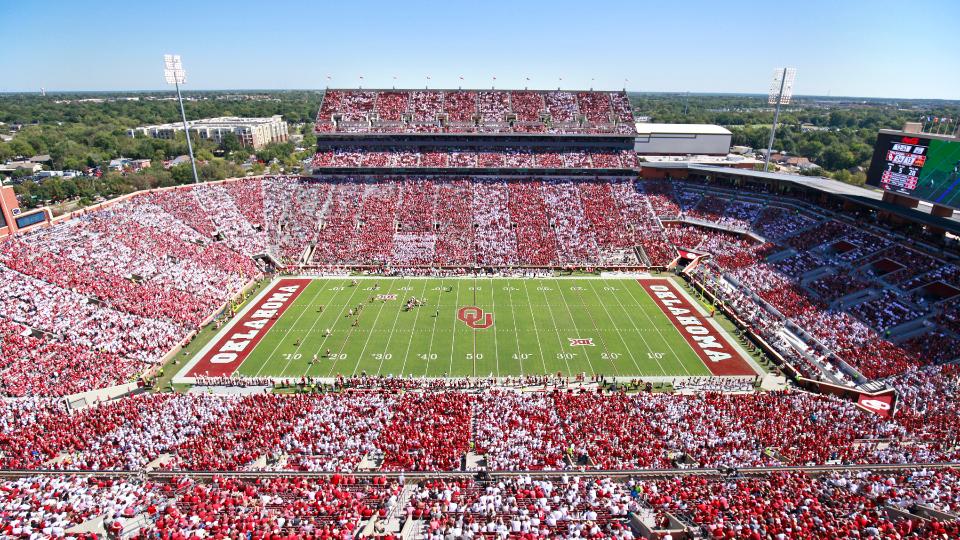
<point>682,140</point>
<point>254,132</point>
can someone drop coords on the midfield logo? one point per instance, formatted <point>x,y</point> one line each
<point>581,342</point>
<point>475,317</point>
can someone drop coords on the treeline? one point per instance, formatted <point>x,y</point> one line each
<point>155,107</point>
<point>89,189</point>
<point>273,158</point>
<point>87,134</point>
<point>840,132</point>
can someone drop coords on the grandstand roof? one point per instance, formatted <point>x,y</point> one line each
<point>872,198</point>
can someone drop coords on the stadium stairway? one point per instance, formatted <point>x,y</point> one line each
<point>395,521</point>
<point>781,255</point>
<point>813,275</point>
<point>161,460</point>
<point>911,329</point>
<point>644,524</point>
<point>854,298</point>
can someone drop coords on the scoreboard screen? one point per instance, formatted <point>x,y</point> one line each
<point>918,167</point>
<point>27,220</point>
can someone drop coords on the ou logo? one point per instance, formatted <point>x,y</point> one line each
<point>475,317</point>
<point>875,404</point>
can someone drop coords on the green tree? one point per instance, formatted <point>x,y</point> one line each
<point>230,143</point>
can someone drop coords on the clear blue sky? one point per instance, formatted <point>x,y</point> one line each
<point>840,47</point>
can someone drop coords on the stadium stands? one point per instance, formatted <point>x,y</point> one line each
<point>136,278</point>
<point>433,431</point>
<point>475,112</point>
<point>777,505</point>
<point>542,182</point>
<point>349,157</point>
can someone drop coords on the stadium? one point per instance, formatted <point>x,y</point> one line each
<point>483,316</point>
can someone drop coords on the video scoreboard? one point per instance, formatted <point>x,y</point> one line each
<point>903,163</point>
<point>921,167</point>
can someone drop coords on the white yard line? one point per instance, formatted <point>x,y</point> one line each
<point>413,331</point>
<point>666,341</point>
<point>453,331</point>
<point>626,345</point>
<point>474,333</point>
<point>433,332</point>
<point>546,303</point>
<point>536,333</point>
<point>340,313</point>
<point>516,335</point>
<point>283,338</point>
<point>593,370</point>
<point>496,348</point>
<point>373,325</point>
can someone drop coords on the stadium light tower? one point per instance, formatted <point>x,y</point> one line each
<point>781,90</point>
<point>174,73</point>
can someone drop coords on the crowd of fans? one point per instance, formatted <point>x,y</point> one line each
<point>843,262</point>
<point>99,297</point>
<point>96,299</point>
<point>781,505</point>
<point>524,158</point>
<point>435,429</point>
<point>132,280</point>
<point>39,365</point>
<point>787,505</point>
<point>470,111</point>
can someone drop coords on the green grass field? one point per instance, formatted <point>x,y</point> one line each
<point>938,183</point>
<point>533,323</point>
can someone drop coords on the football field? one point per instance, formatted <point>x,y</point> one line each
<point>326,327</point>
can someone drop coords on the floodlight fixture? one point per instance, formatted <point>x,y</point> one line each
<point>781,91</point>
<point>173,70</point>
<point>781,87</point>
<point>174,74</point>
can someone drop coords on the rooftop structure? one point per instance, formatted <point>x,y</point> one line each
<point>682,139</point>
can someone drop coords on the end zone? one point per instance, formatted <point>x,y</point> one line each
<point>704,337</point>
<point>231,347</point>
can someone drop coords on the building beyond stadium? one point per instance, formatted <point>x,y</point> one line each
<point>253,132</point>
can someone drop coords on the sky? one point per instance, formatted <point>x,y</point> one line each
<point>875,48</point>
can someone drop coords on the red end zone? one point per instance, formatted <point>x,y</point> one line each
<point>232,348</point>
<point>710,344</point>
